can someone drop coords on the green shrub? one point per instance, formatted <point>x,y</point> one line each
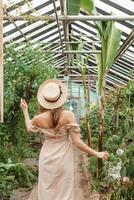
<point>119,132</point>
<point>13,176</point>
<point>24,70</point>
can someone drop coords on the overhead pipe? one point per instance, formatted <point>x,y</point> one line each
<point>71,18</point>
<point>76,52</point>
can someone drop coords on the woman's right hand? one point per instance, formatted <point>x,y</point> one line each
<point>103,155</point>
<point>23,104</point>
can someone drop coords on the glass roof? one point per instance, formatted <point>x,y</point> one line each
<point>48,33</point>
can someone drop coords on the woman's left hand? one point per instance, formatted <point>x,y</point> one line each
<point>23,104</point>
<point>103,155</point>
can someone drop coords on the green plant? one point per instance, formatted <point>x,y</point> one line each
<point>13,176</point>
<point>94,123</point>
<point>25,69</point>
<point>110,40</point>
<point>119,142</point>
<point>82,69</point>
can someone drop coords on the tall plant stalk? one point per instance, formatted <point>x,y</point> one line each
<point>83,73</point>
<point>101,117</point>
<point>102,124</point>
<point>82,63</point>
<point>110,39</point>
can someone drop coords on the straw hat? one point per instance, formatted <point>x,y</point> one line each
<point>52,94</point>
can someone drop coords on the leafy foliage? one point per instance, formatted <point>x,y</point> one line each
<point>13,176</point>
<point>73,7</point>
<point>25,69</point>
<point>108,33</point>
<point>119,131</point>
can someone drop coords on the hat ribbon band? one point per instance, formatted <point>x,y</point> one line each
<point>57,98</point>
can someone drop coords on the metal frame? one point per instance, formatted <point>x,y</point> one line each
<point>71,18</point>
<point>66,34</point>
<point>77,52</point>
<point>48,18</point>
<point>59,30</point>
<point>125,45</point>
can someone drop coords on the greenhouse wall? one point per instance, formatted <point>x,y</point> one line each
<point>77,91</point>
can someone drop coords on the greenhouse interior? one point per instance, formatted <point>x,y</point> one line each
<point>88,46</point>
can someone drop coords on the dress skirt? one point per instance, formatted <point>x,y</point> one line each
<point>56,163</point>
<point>56,170</point>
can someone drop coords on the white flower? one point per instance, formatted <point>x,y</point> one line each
<point>9,160</point>
<point>119,152</point>
<point>115,171</point>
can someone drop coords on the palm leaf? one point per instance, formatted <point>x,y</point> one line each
<point>73,7</point>
<point>100,73</point>
<point>98,25</point>
<point>108,29</point>
<point>98,58</point>
<point>87,5</point>
<point>113,44</point>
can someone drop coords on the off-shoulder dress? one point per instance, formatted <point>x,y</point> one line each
<point>56,163</point>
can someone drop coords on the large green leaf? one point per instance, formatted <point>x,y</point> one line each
<point>100,74</point>
<point>73,7</point>
<point>113,44</point>
<point>87,5</point>
<point>100,70</point>
<point>108,29</point>
<point>98,25</point>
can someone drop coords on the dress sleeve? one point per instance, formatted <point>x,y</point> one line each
<point>32,128</point>
<point>73,128</point>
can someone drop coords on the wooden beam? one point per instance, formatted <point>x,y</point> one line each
<point>1,61</point>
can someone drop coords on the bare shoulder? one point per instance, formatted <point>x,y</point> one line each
<point>40,118</point>
<point>68,112</point>
<point>69,115</point>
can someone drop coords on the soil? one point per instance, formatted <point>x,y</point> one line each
<point>20,195</point>
<point>81,177</point>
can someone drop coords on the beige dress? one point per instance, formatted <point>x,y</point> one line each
<point>56,164</point>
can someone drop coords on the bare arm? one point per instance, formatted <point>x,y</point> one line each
<point>81,145</point>
<point>27,119</point>
<point>28,124</point>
